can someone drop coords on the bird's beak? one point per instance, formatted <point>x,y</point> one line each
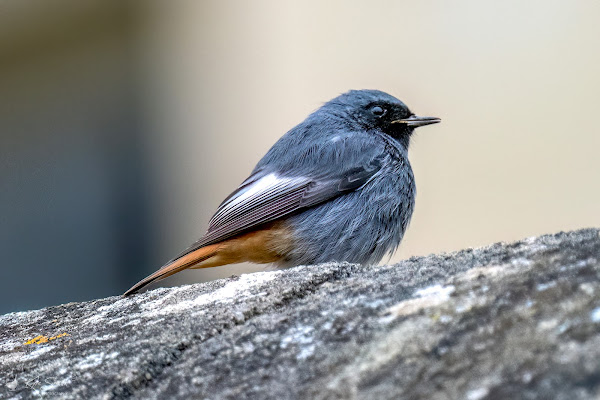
<point>415,121</point>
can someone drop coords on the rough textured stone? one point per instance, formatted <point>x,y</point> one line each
<point>518,320</point>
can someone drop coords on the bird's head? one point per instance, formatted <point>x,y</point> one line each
<point>374,109</point>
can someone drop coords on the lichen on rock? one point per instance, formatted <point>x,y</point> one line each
<point>516,320</point>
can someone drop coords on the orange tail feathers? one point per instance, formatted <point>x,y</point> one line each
<point>178,265</point>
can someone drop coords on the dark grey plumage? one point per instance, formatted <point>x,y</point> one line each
<point>337,187</point>
<point>364,224</point>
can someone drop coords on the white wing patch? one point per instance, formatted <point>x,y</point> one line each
<point>269,186</point>
<point>261,185</point>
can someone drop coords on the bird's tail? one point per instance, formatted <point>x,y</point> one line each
<point>175,266</point>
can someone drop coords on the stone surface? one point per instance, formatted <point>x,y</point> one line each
<point>518,320</point>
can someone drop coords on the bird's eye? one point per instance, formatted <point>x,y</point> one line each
<point>379,111</point>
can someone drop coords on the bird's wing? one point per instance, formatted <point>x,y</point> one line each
<point>265,197</point>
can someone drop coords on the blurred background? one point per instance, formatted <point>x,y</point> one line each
<point>123,124</point>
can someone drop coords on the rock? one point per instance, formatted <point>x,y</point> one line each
<point>517,320</point>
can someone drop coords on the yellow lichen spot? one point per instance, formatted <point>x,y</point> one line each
<point>59,335</point>
<point>45,339</point>
<point>37,340</point>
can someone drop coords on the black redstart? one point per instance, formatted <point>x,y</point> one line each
<point>337,187</point>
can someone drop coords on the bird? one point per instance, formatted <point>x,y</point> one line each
<point>336,187</point>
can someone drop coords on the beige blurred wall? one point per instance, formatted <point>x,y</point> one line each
<point>516,84</point>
